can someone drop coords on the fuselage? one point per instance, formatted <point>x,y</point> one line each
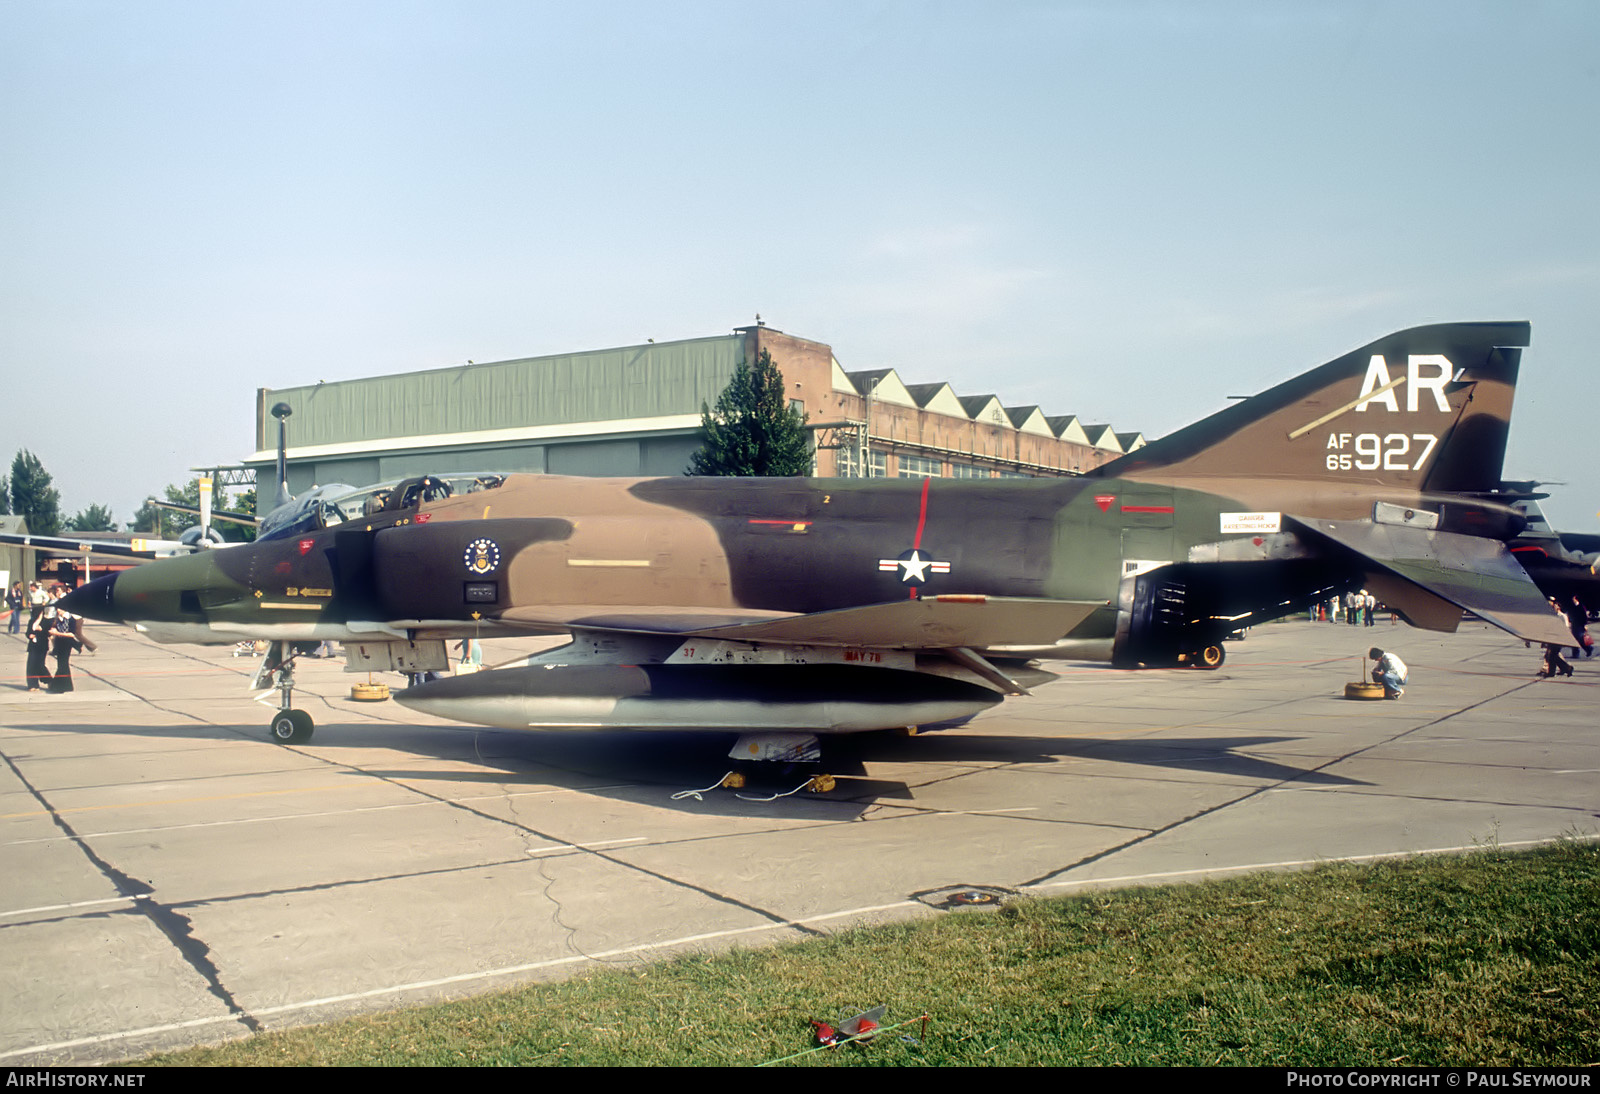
<point>537,551</point>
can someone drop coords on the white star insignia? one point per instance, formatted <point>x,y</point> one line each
<point>915,566</point>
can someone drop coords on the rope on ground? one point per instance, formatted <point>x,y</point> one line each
<point>775,797</point>
<point>697,794</point>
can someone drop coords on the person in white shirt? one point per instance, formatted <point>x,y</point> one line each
<point>1389,671</point>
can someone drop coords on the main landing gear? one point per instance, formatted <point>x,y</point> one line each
<point>1206,657</point>
<point>759,757</point>
<point>288,726</point>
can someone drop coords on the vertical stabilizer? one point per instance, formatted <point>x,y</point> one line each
<point>1424,409</point>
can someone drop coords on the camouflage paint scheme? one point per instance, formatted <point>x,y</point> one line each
<point>1378,469</point>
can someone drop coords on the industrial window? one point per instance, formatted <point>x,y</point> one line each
<point>920,467</point>
<point>968,471</point>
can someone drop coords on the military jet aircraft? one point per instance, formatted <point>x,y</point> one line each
<point>845,605</point>
<point>1565,565</point>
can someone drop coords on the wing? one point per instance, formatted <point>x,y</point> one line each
<point>133,547</point>
<point>216,514</point>
<point>937,622</point>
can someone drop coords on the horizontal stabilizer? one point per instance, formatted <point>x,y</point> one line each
<point>1476,574</point>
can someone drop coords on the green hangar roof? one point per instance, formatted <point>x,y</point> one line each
<point>498,401</point>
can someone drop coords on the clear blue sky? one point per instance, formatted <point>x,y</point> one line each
<point>1122,210</point>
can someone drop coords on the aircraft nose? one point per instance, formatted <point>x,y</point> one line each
<point>94,600</point>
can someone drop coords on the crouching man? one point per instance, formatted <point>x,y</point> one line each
<point>1389,671</point>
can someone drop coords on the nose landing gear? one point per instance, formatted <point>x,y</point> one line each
<point>288,726</point>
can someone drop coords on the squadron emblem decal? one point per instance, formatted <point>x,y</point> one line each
<point>481,557</point>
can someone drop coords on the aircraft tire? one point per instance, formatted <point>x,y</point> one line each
<point>1210,657</point>
<point>291,727</point>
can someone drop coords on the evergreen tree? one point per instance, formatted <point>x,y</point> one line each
<point>244,502</point>
<point>32,496</point>
<point>151,519</point>
<point>753,430</point>
<point>167,523</point>
<point>5,496</point>
<point>96,518</point>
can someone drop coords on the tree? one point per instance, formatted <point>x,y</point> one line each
<point>149,518</point>
<point>167,523</point>
<point>753,430</point>
<point>96,518</point>
<point>244,502</point>
<point>32,496</point>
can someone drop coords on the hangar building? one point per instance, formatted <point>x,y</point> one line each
<point>635,410</point>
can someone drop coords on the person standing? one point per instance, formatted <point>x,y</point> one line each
<point>40,625</point>
<point>64,637</point>
<point>14,602</point>
<point>37,600</point>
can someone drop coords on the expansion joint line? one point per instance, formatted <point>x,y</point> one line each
<point>1181,821</point>
<point>594,852</point>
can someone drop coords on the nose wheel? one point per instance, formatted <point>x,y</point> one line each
<point>292,727</point>
<point>288,726</point>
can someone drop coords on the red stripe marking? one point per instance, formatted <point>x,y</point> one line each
<point>1147,508</point>
<point>922,517</point>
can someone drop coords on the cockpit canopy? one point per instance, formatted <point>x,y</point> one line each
<point>335,503</point>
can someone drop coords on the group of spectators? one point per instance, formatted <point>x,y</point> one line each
<point>49,630</point>
<point>1358,609</point>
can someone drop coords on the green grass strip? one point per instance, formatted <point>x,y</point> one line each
<point>1491,958</point>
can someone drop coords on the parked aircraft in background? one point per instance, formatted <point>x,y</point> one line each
<point>197,537</point>
<point>1565,565</point>
<point>844,605</point>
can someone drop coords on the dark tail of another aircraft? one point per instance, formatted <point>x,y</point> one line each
<point>1426,409</point>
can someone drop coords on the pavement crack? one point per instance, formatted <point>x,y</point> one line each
<point>569,932</point>
<point>173,924</point>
